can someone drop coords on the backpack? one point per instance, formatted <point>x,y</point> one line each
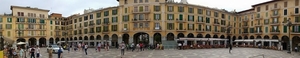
<point>32,50</point>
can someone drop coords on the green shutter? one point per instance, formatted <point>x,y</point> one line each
<point>116,19</point>
<point>159,16</point>
<point>188,17</point>
<point>180,17</point>
<point>293,28</point>
<point>193,18</point>
<point>298,28</point>
<point>285,29</point>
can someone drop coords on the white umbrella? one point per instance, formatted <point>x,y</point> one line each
<point>20,43</point>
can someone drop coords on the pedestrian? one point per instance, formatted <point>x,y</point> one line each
<point>137,47</point>
<point>59,52</point>
<point>99,46</point>
<point>38,52</point>
<point>50,51</point>
<point>132,47</point>
<point>230,48</point>
<point>32,52</point>
<point>79,46</point>
<point>179,46</point>
<point>122,47</point>
<point>21,51</point>
<point>85,48</point>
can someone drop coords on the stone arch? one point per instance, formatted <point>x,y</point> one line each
<point>170,37</point>
<point>106,37</point>
<point>56,39</point>
<point>240,37</point>
<point>275,37</point>
<point>295,41</point>
<point>86,38</point>
<point>98,37</point>
<point>80,38</point>
<point>32,41</point>
<point>157,38</point>
<point>92,40</point>
<point>222,37</point>
<point>266,37</point>
<point>207,36</point>
<point>75,38</point>
<point>258,37</point>
<point>51,41</point>
<point>190,35</point>
<point>245,37</point>
<point>285,42</point>
<point>141,37</point>
<point>71,39</point>
<point>42,42</point>
<point>251,37</point>
<point>125,38</point>
<point>233,38</point>
<point>199,35</point>
<point>180,35</point>
<point>215,36</point>
<point>62,39</point>
<point>21,40</point>
<point>67,39</point>
<point>92,37</point>
<point>114,40</point>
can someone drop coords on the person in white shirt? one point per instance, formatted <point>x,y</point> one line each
<point>85,48</point>
<point>179,46</point>
<point>99,46</point>
<point>122,46</point>
<point>37,52</point>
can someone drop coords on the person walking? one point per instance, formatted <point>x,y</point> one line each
<point>122,47</point>
<point>99,46</point>
<point>32,52</point>
<point>21,51</point>
<point>230,48</point>
<point>132,47</point>
<point>38,52</point>
<point>85,48</point>
<point>50,51</point>
<point>59,52</point>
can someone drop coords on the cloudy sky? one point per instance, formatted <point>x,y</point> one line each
<point>69,7</point>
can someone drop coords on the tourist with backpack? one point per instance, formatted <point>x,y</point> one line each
<point>59,52</point>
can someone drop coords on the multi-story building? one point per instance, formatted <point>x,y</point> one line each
<point>268,20</point>
<point>161,21</point>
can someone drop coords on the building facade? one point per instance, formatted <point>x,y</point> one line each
<point>160,21</point>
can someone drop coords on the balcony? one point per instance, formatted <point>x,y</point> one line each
<point>29,36</point>
<point>245,26</point>
<point>200,22</point>
<point>295,14</point>
<point>258,17</point>
<point>57,35</point>
<point>157,29</point>
<point>105,31</point>
<point>140,20</point>
<point>245,20</point>
<point>274,23</point>
<point>142,11</point>
<point>200,31</point>
<point>1,29</point>
<point>105,23</point>
<point>180,21</point>
<point>258,32</point>
<point>91,33</point>
<point>295,32</point>
<point>125,30</point>
<point>21,22</point>
<point>275,32</point>
<point>245,33</point>
<point>277,8</point>
<point>275,15</point>
<point>216,32</point>
<point>92,24</point>
<point>57,30</point>
<point>216,23</point>
<point>180,30</point>
<point>258,25</point>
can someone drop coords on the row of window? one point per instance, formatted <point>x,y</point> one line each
<point>29,33</point>
<point>275,5</point>
<point>272,29</point>
<point>30,14</point>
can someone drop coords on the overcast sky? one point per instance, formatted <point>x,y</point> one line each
<point>69,7</point>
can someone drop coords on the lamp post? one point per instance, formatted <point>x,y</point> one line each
<point>2,42</point>
<point>228,32</point>
<point>289,24</point>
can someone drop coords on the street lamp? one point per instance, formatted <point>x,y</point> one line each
<point>228,32</point>
<point>2,42</point>
<point>289,24</point>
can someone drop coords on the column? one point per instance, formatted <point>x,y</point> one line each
<point>219,43</point>
<point>37,42</point>
<point>47,42</point>
<point>131,40</point>
<point>248,43</point>
<point>225,43</point>
<point>185,41</point>
<point>255,43</point>
<point>150,40</point>
<point>120,40</point>
<point>163,38</point>
<point>270,43</point>
<point>203,43</point>
<point>54,41</point>
<point>279,46</point>
<point>211,42</point>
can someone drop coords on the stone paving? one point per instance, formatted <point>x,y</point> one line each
<point>173,53</point>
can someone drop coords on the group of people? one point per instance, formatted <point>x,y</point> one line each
<point>99,46</point>
<point>33,52</point>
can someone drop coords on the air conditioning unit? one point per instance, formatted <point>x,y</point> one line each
<point>124,28</point>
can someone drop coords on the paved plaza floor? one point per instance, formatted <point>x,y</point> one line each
<point>173,53</point>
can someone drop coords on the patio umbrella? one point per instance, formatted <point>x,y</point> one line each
<point>20,43</point>
<point>8,40</point>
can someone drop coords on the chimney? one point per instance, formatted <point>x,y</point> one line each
<point>184,1</point>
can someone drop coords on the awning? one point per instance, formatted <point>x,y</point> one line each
<point>8,40</point>
<point>256,40</point>
<point>202,39</point>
